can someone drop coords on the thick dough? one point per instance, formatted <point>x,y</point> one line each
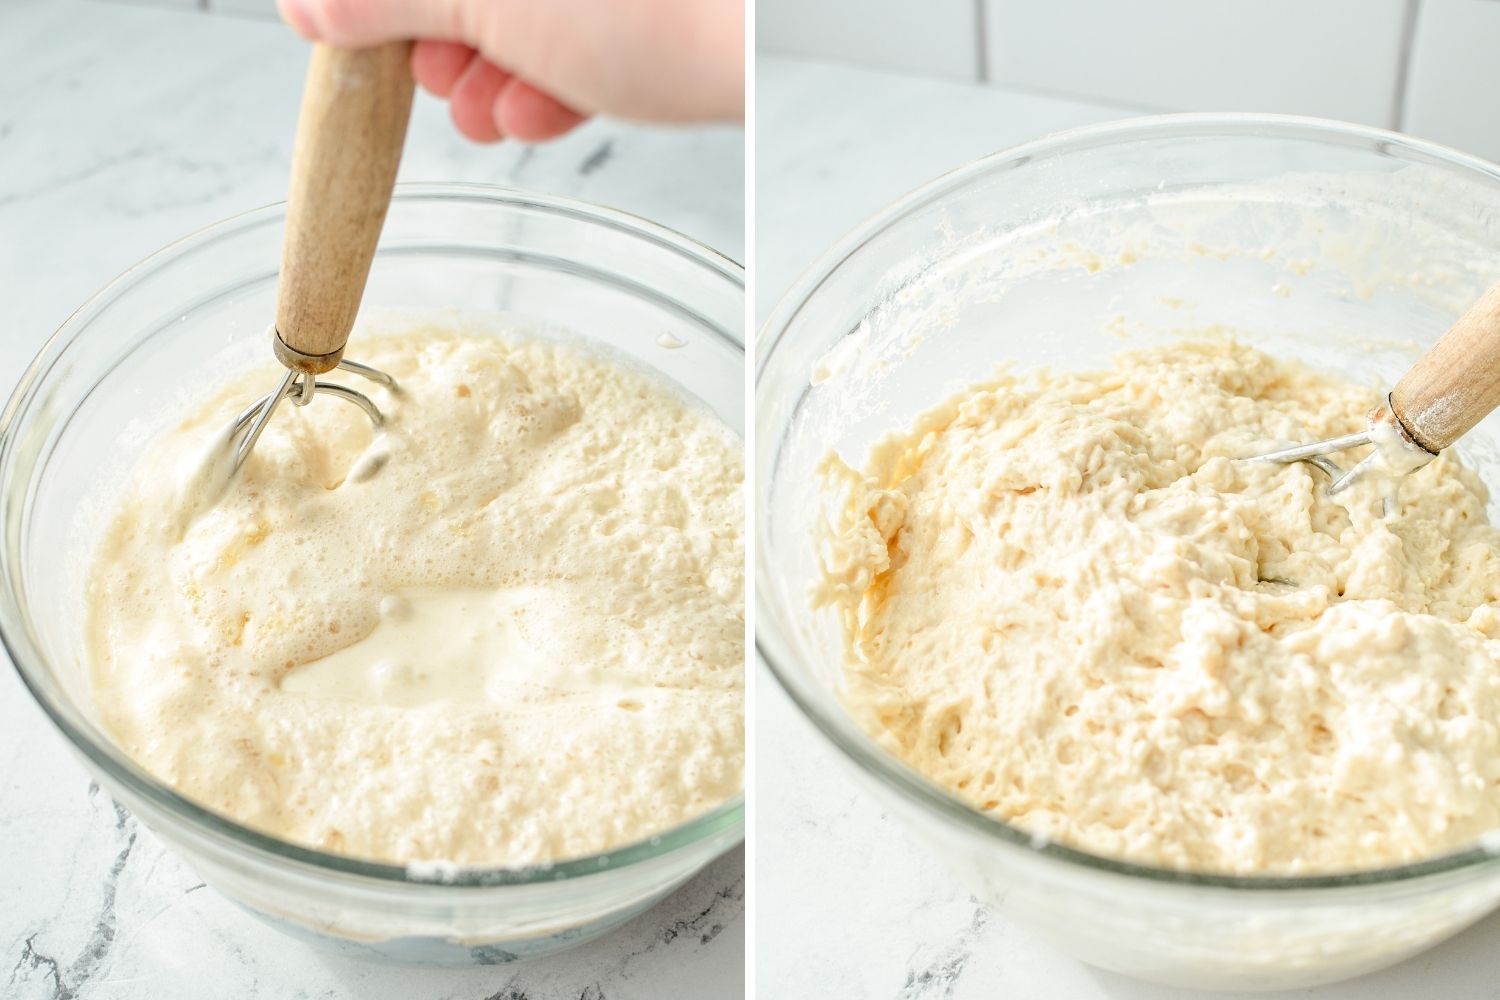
<point>588,521</point>
<point>1066,603</point>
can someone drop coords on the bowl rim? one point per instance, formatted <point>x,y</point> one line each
<point>838,728</point>
<point>16,640</point>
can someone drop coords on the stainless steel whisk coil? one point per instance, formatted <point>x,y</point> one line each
<point>300,388</point>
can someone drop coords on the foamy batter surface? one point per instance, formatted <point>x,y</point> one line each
<point>512,634</point>
<point>1067,604</point>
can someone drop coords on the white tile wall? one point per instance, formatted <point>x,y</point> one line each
<point>1331,58</point>
<point>936,37</point>
<point>1453,87</point>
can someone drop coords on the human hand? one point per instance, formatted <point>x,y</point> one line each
<point>534,69</point>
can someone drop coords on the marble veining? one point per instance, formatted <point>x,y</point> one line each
<point>122,128</point>
<point>68,978</point>
<point>939,976</point>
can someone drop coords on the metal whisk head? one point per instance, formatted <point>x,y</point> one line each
<point>1317,454</point>
<point>1395,454</point>
<point>300,387</point>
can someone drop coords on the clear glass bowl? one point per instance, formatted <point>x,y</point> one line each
<point>84,410</point>
<point>1344,246</point>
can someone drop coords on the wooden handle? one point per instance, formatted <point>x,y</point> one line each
<point>1456,383</point>
<point>353,122</point>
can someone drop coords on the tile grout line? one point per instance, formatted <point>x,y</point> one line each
<point>981,43</point>
<point>1409,18</point>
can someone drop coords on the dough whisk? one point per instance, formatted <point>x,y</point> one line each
<point>350,131</point>
<point>1450,389</point>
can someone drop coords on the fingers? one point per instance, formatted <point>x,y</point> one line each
<point>438,65</point>
<point>601,56</point>
<point>530,115</point>
<point>486,103</point>
<point>295,15</point>
<point>355,24</point>
<point>472,101</point>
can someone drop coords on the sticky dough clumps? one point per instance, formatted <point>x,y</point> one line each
<point>1067,604</point>
<point>607,513</point>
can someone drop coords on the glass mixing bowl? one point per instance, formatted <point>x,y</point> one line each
<point>1347,247</point>
<point>84,410</point>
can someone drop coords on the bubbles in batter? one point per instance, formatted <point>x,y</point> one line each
<point>506,629</point>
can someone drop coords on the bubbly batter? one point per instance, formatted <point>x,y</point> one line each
<point>1066,603</point>
<point>507,629</point>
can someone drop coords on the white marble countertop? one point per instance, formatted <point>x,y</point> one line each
<point>848,903</point>
<point>121,128</point>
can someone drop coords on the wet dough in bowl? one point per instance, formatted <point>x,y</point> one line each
<point>507,629</point>
<point>1066,603</point>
